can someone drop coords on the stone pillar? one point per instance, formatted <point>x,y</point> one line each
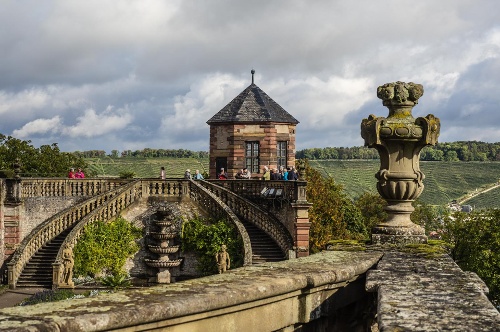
<point>11,217</point>
<point>301,224</point>
<point>399,138</point>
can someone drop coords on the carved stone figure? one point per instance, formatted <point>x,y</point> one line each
<point>68,263</point>
<point>223,260</point>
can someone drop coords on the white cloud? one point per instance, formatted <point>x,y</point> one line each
<point>38,126</point>
<point>91,124</point>
<point>205,98</point>
<point>168,66</point>
<point>24,100</point>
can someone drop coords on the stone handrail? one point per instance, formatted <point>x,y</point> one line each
<point>57,187</point>
<point>106,209</point>
<point>215,207</point>
<point>48,230</point>
<point>254,214</point>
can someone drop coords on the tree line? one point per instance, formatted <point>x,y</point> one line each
<point>144,153</point>
<point>454,151</point>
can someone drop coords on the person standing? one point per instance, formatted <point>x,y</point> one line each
<point>162,173</point>
<point>266,176</point>
<point>222,175</point>
<point>245,174</point>
<point>197,175</point>
<point>285,173</point>
<point>80,174</point>
<point>71,173</point>
<point>187,174</point>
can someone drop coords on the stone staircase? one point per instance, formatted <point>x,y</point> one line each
<point>38,271</point>
<point>264,249</point>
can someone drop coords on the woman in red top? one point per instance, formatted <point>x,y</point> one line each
<point>79,174</point>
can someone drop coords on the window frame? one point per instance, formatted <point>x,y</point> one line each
<point>252,156</point>
<point>282,153</point>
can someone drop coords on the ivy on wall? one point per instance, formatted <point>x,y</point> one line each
<point>105,247</point>
<point>206,237</point>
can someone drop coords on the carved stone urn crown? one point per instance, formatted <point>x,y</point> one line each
<point>399,138</point>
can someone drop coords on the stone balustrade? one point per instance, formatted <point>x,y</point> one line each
<point>106,209</point>
<point>215,207</point>
<point>57,187</point>
<point>173,189</point>
<point>253,213</point>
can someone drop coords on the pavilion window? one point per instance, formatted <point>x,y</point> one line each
<point>281,153</point>
<point>252,156</point>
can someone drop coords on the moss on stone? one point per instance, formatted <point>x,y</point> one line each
<point>347,245</point>
<point>430,250</point>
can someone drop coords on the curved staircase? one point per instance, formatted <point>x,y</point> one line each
<point>264,249</point>
<point>38,271</point>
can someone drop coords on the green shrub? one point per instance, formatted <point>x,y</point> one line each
<point>116,281</point>
<point>333,215</point>
<point>48,295</point>
<point>206,237</point>
<point>475,245</point>
<point>105,247</point>
<point>127,175</point>
<point>7,173</point>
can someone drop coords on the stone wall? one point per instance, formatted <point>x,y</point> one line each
<point>38,209</point>
<point>321,291</point>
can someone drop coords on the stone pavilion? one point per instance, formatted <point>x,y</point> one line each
<point>252,131</point>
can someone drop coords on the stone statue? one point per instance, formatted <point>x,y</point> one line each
<point>223,260</point>
<point>68,263</point>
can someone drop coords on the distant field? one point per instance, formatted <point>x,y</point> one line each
<point>486,200</point>
<point>145,167</point>
<point>444,181</point>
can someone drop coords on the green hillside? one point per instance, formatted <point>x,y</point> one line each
<point>145,167</point>
<point>486,200</point>
<point>444,181</point>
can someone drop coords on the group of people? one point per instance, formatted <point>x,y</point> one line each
<point>286,174</point>
<point>244,173</point>
<point>187,174</point>
<point>76,175</point>
<point>283,173</point>
<point>197,175</point>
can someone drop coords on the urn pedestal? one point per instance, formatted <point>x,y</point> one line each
<point>399,138</point>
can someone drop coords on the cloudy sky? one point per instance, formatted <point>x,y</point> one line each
<point>132,74</point>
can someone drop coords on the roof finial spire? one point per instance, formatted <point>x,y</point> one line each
<point>253,72</point>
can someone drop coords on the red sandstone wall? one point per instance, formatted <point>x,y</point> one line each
<point>228,140</point>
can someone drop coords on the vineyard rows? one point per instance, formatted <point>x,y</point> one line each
<point>444,181</point>
<point>145,167</point>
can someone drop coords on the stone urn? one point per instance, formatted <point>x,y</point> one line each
<point>399,138</point>
<point>163,247</point>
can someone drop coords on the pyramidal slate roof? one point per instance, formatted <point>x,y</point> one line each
<point>252,105</point>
